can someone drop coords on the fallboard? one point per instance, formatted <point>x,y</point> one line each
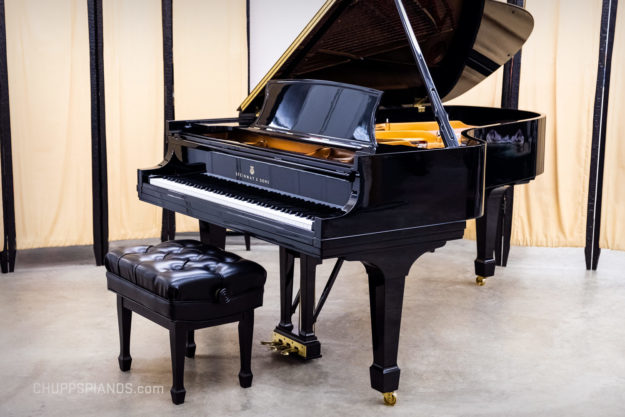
<point>311,186</point>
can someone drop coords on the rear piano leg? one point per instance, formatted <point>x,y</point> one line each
<point>486,233</point>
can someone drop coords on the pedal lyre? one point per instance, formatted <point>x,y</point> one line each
<point>285,346</point>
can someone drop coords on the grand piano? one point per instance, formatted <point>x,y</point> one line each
<point>318,161</point>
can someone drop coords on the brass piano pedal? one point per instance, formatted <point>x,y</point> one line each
<point>480,280</point>
<point>390,398</point>
<point>291,349</point>
<point>285,345</point>
<point>280,348</point>
<point>273,345</point>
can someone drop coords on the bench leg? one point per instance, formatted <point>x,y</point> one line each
<point>246,331</point>
<point>190,350</point>
<point>124,319</point>
<point>178,343</point>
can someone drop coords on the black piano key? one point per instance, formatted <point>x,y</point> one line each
<point>262,198</point>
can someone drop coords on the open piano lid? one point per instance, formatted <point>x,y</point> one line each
<point>363,42</point>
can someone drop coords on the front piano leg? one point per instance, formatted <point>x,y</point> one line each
<point>386,294</point>
<point>486,234</point>
<point>211,234</point>
<point>287,263</point>
<point>387,273</point>
<point>308,268</point>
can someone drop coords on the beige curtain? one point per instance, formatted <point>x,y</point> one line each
<point>133,78</point>
<point>48,56</point>
<point>210,63</point>
<point>210,81</point>
<point>47,42</point>
<point>558,75</point>
<point>613,213</point>
<point>48,66</point>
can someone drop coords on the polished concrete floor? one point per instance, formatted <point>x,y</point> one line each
<point>542,338</point>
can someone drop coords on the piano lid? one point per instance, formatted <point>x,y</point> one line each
<point>363,42</point>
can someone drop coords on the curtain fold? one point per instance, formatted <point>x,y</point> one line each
<point>133,83</point>
<point>210,76</point>
<point>210,80</point>
<point>558,76</point>
<point>48,66</point>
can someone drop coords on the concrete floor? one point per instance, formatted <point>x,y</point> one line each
<point>542,338</point>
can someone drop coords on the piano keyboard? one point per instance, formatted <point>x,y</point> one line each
<point>236,201</point>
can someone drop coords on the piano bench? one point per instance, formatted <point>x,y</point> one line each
<point>184,285</point>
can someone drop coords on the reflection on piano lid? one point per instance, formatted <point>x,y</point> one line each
<point>362,42</point>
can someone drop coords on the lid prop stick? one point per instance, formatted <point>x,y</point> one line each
<point>447,133</point>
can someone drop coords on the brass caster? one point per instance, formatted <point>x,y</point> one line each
<point>480,280</point>
<point>390,398</point>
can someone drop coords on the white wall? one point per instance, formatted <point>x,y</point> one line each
<point>274,24</point>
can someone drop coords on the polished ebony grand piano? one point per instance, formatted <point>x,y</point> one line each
<point>319,161</point>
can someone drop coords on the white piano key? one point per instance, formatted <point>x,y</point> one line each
<point>234,203</point>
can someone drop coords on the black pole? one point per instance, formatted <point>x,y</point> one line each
<point>168,228</point>
<point>98,133</point>
<point>9,252</point>
<point>600,118</point>
<point>440,114</point>
<point>509,100</point>
<point>512,75</point>
<point>247,16</point>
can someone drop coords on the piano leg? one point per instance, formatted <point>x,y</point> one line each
<point>486,231</point>
<point>211,234</point>
<point>308,268</point>
<point>287,260</point>
<point>386,294</point>
<point>387,274</point>
<point>504,230</point>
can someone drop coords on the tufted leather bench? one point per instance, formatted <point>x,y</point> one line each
<point>185,285</point>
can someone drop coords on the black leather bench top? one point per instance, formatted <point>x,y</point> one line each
<point>186,270</point>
